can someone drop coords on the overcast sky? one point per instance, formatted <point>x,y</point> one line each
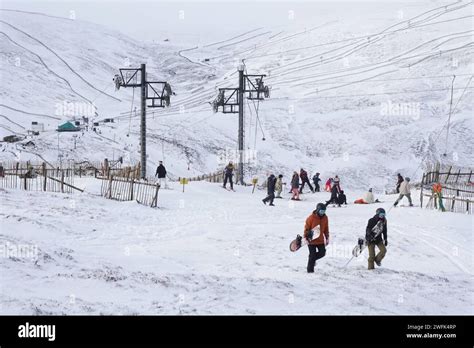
<point>195,20</point>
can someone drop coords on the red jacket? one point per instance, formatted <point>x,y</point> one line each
<point>314,220</point>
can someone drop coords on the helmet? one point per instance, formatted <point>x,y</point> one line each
<point>321,209</point>
<point>380,212</point>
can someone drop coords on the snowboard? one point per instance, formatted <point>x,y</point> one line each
<point>362,243</point>
<point>299,241</point>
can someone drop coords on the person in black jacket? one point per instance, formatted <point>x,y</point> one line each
<point>228,173</point>
<point>376,235</point>
<point>305,180</point>
<point>341,198</point>
<point>334,193</point>
<point>316,181</point>
<point>271,182</point>
<point>161,174</point>
<point>399,181</point>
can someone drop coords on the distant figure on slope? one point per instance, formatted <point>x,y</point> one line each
<point>316,181</point>
<point>279,186</point>
<point>336,181</point>
<point>305,180</point>
<point>404,191</point>
<point>367,199</point>
<point>399,182</point>
<point>316,232</point>
<point>376,229</point>
<point>341,198</point>
<point>228,173</point>
<point>328,185</point>
<point>161,174</point>
<point>295,185</point>
<point>271,182</point>
<point>334,194</point>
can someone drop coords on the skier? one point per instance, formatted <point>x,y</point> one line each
<point>161,174</point>
<point>341,198</point>
<point>316,232</point>
<point>295,184</point>
<point>279,186</point>
<point>328,185</point>
<point>271,182</point>
<point>228,173</point>
<point>376,229</point>
<point>399,181</point>
<point>334,193</point>
<point>305,180</point>
<point>404,191</point>
<point>316,181</point>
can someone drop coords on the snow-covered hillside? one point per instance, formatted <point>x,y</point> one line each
<point>209,251</point>
<point>362,93</point>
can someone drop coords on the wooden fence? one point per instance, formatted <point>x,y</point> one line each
<point>457,188</point>
<point>123,189</point>
<point>26,177</point>
<point>217,176</point>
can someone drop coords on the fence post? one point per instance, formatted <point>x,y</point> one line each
<point>62,180</point>
<point>25,183</point>
<point>110,187</point>
<point>449,173</point>
<point>45,175</point>
<point>154,203</point>
<point>421,191</point>
<point>131,189</point>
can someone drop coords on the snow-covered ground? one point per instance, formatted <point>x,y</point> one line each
<point>208,250</point>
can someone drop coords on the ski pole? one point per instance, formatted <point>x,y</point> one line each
<point>348,261</point>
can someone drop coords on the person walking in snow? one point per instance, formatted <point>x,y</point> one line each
<point>316,232</point>
<point>399,182</point>
<point>279,186</point>
<point>376,235</point>
<point>161,174</point>
<point>404,192</point>
<point>228,173</point>
<point>295,185</point>
<point>305,180</point>
<point>316,181</point>
<point>271,183</point>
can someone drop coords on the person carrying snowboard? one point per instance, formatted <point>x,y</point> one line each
<point>279,186</point>
<point>376,235</point>
<point>271,182</point>
<point>228,173</point>
<point>399,182</point>
<point>316,232</point>
<point>316,181</point>
<point>404,192</point>
<point>295,184</point>
<point>305,180</point>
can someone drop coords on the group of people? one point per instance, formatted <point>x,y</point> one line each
<point>316,233</point>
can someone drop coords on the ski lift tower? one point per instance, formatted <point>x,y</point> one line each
<point>157,91</point>
<point>231,101</point>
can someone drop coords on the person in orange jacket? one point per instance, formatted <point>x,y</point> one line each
<point>316,232</point>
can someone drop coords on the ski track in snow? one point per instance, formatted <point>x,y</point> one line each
<point>226,253</point>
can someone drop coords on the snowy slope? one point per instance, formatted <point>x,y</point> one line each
<point>209,251</point>
<point>331,79</point>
